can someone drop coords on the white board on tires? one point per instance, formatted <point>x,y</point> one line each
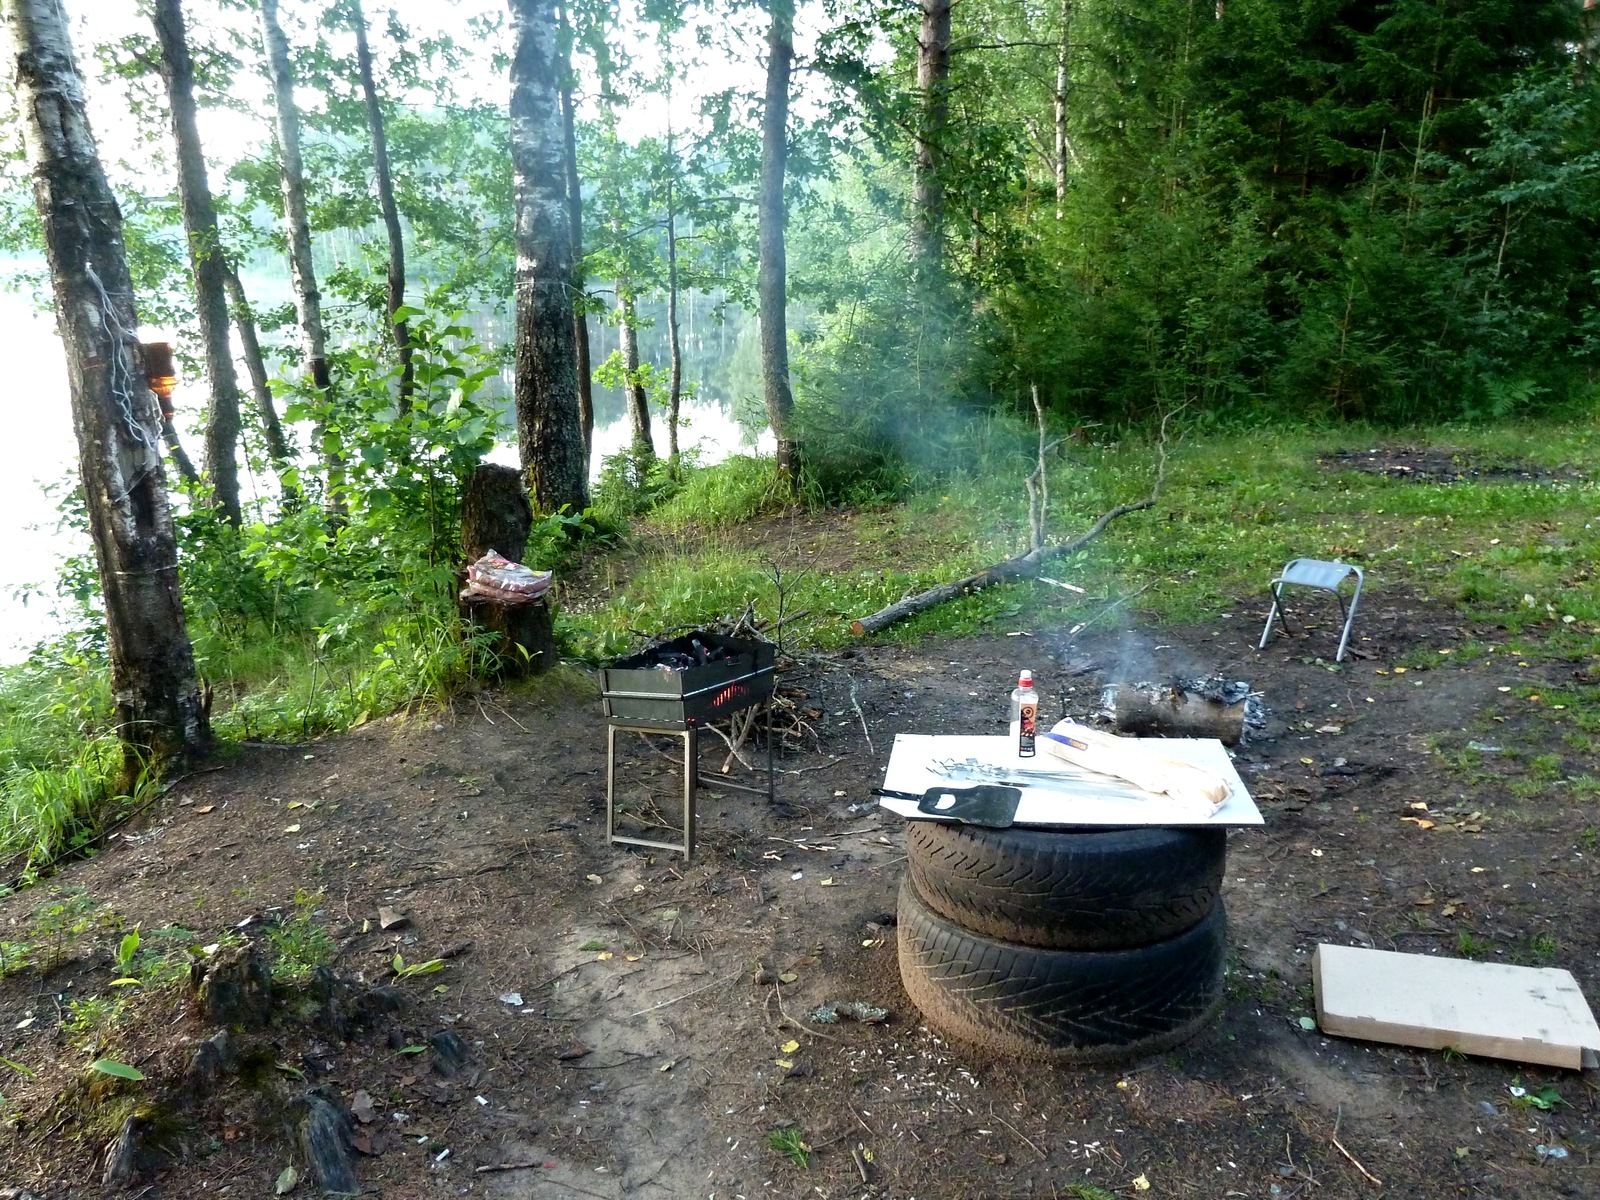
<point>1089,799</point>
<point>1494,1010</point>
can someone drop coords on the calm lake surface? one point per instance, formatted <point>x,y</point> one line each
<point>38,464</point>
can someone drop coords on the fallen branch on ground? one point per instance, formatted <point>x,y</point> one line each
<point>1023,566</point>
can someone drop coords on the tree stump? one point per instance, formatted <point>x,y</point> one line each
<point>526,639</point>
<point>324,1134</point>
<point>236,987</point>
<point>496,515</point>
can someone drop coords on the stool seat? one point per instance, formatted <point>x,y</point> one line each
<point>1326,576</point>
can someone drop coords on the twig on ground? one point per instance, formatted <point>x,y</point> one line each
<point>687,995</point>
<point>511,1166</point>
<point>860,1166</point>
<point>1019,1133</point>
<point>1110,608</point>
<point>786,1019</point>
<point>834,762</point>
<point>1354,1162</point>
<point>733,751</point>
<point>856,704</point>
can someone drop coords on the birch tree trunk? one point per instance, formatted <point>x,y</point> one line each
<point>674,347</point>
<point>580,315</point>
<point>244,320</point>
<point>1063,146</point>
<point>160,716</point>
<point>307,300</point>
<point>181,462</point>
<point>205,261</point>
<point>644,450</point>
<point>927,187</point>
<point>772,272</point>
<point>396,293</point>
<point>549,430</point>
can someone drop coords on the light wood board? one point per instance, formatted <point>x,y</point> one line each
<point>1528,1014</point>
<point>1093,799</point>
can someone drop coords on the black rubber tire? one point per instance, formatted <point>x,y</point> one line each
<point>1101,889</point>
<point>1066,1005</point>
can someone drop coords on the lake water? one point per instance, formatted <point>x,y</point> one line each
<point>38,462</point>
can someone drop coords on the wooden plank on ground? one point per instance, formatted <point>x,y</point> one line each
<point>1528,1014</point>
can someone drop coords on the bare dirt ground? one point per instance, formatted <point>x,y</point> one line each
<point>620,1045</point>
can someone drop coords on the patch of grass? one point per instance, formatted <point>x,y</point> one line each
<point>299,944</point>
<point>1588,839</point>
<point>1545,766</point>
<point>1544,947</point>
<point>736,490</point>
<point>87,1020</point>
<point>1470,946</point>
<point>792,1145</point>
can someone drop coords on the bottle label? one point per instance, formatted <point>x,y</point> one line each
<point>1028,729</point>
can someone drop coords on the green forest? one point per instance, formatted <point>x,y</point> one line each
<point>936,246</point>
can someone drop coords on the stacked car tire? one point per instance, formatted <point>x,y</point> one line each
<point>1075,945</point>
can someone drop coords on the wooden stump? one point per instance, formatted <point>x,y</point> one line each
<point>495,514</point>
<point>526,637</point>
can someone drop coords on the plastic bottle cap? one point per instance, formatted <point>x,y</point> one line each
<point>1026,680</point>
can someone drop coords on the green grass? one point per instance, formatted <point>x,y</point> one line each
<point>1234,509</point>
<point>790,1143</point>
<point>299,944</point>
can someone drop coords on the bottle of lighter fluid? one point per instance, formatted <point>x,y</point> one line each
<point>1024,716</point>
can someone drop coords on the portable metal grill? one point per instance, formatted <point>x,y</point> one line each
<point>647,693</point>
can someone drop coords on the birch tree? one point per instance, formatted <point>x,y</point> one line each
<point>549,432</point>
<point>244,319</point>
<point>580,313</point>
<point>395,293</point>
<point>159,713</point>
<point>772,270</point>
<point>205,261</point>
<point>933,81</point>
<point>307,299</point>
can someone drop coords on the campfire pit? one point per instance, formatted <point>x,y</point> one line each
<point>678,687</point>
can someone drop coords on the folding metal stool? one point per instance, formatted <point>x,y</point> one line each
<point>1312,572</point>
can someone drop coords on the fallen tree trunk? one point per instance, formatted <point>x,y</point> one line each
<point>1023,566</point>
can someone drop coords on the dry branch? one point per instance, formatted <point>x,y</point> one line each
<point>1023,566</point>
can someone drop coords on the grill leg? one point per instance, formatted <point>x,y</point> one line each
<point>691,777</point>
<point>611,781</point>
<point>771,791</point>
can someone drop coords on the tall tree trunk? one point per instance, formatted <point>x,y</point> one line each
<point>160,716</point>
<point>244,319</point>
<point>181,462</point>
<point>927,188</point>
<point>772,273</point>
<point>307,300</point>
<point>674,347</point>
<point>205,261</point>
<point>644,450</point>
<point>549,429</point>
<point>396,294</point>
<point>580,315</point>
<point>1063,82</point>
